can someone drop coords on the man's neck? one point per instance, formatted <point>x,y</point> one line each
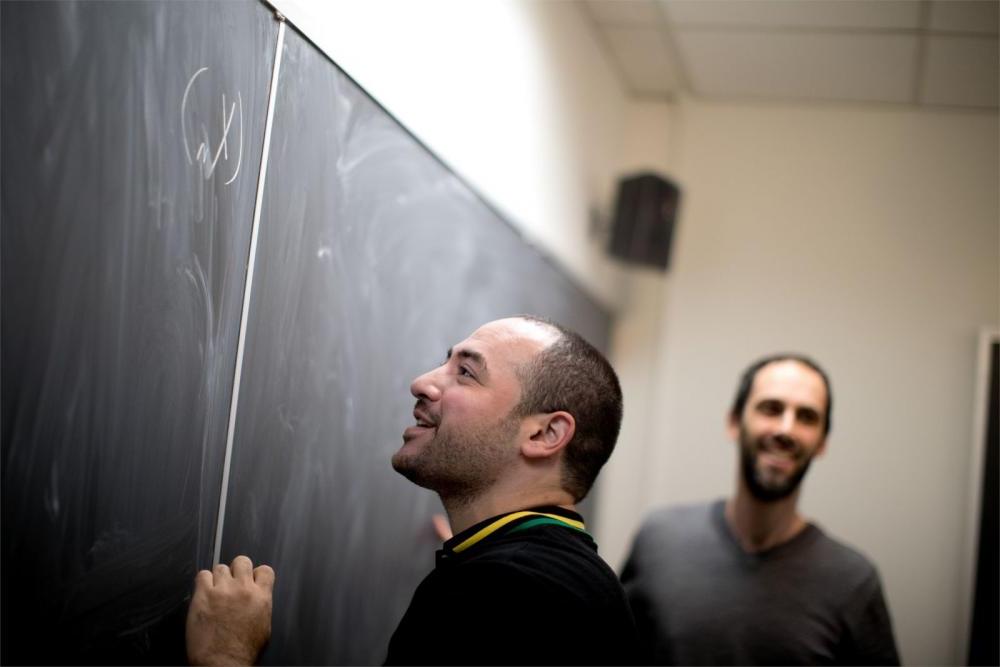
<point>465,512</point>
<point>759,525</point>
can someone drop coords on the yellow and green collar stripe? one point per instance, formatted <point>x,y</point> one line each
<point>539,518</point>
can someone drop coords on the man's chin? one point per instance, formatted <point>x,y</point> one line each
<point>774,481</point>
<point>767,486</point>
<point>770,493</point>
<point>408,465</point>
<point>402,461</point>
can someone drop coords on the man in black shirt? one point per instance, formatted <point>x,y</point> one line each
<point>534,591</point>
<point>511,432</point>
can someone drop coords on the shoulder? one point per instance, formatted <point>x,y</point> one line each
<point>554,578</point>
<point>837,554</point>
<point>483,602</point>
<point>556,555</point>
<point>556,573</point>
<point>555,568</point>
<point>676,522</point>
<point>836,561</point>
<point>679,515</point>
<point>670,537</point>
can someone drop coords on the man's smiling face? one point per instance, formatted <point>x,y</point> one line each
<point>781,428</point>
<point>465,433</point>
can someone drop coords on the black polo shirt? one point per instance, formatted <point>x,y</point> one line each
<point>522,588</point>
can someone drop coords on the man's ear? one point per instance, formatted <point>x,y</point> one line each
<point>548,434</point>
<point>733,426</point>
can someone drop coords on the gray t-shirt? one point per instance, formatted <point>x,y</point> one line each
<point>698,598</point>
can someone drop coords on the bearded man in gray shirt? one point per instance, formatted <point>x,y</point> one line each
<point>748,580</point>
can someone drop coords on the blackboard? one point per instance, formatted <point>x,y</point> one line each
<point>122,273</point>
<point>125,248</point>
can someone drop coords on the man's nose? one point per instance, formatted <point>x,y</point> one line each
<point>426,385</point>
<point>785,426</point>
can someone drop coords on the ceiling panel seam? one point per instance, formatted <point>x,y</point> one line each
<point>684,80</point>
<point>920,66</point>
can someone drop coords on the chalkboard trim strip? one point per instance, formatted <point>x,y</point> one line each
<point>234,401</point>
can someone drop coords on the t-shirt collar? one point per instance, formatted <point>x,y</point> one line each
<point>502,524</point>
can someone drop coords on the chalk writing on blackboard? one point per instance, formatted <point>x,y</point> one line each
<point>204,157</point>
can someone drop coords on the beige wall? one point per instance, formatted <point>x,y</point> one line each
<point>868,238</point>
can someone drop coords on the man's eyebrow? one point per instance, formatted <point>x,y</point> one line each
<point>473,356</point>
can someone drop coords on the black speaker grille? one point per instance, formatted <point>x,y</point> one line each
<point>645,215</point>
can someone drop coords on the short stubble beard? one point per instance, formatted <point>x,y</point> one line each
<point>461,466</point>
<point>763,491</point>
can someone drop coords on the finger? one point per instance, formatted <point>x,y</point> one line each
<point>203,581</point>
<point>221,574</point>
<point>263,575</point>
<point>242,569</point>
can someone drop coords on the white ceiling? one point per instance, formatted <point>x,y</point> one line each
<point>914,52</point>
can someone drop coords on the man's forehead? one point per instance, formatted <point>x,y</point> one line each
<point>790,378</point>
<point>513,339</point>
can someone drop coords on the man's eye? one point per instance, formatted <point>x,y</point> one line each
<point>462,370</point>
<point>770,408</point>
<point>808,417</point>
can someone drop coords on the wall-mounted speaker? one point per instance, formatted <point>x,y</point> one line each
<point>645,215</point>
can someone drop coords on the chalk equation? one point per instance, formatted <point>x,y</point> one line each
<point>195,131</point>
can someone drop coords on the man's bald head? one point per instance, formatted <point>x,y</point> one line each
<point>568,373</point>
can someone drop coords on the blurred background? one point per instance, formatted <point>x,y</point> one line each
<point>838,163</point>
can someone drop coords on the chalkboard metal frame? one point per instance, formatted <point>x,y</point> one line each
<point>247,289</point>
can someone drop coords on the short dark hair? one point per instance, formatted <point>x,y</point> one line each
<point>572,375</point>
<point>750,374</point>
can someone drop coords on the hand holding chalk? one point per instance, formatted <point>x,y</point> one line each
<point>229,620</point>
